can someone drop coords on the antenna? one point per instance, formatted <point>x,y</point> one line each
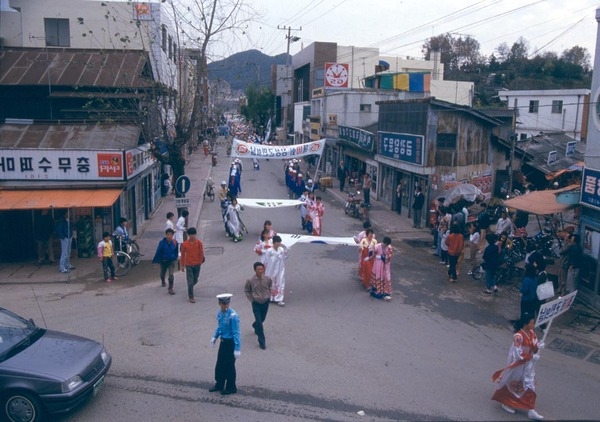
<point>39,307</point>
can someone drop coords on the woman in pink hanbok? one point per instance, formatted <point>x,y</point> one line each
<point>275,268</point>
<point>316,210</point>
<point>516,382</point>
<point>357,238</point>
<point>381,277</point>
<point>367,257</point>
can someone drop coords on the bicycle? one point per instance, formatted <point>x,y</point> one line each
<point>127,256</point>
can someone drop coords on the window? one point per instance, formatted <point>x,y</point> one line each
<point>534,105</point>
<point>365,108</point>
<point>523,137</point>
<point>164,39</point>
<point>446,141</point>
<point>170,47</point>
<point>57,32</point>
<point>557,107</point>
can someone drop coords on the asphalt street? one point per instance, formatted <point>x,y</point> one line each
<point>333,352</point>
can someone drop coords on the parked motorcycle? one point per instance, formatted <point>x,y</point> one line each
<point>352,206</point>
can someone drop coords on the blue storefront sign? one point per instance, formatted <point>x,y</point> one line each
<point>590,188</point>
<point>360,137</point>
<point>402,146</point>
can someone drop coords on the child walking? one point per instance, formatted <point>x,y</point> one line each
<point>105,254</point>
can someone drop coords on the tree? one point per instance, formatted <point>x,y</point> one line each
<point>259,105</point>
<point>578,56</point>
<point>458,54</point>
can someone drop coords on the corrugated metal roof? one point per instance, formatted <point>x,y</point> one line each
<point>74,67</point>
<point>74,136</point>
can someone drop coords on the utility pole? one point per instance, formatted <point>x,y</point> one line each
<point>513,141</point>
<point>288,74</point>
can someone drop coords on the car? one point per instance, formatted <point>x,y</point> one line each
<point>45,372</point>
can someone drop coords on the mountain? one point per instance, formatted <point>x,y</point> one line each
<point>245,68</point>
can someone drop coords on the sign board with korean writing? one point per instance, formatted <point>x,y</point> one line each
<point>182,202</point>
<point>360,137</point>
<point>552,157</point>
<point>138,159</point>
<point>402,146</point>
<point>570,151</point>
<point>61,165</point>
<point>554,308</point>
<point>590,188</point>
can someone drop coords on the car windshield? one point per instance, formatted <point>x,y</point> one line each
<point>15,332</point>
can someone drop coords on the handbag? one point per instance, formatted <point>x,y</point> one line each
<point>545,290</point>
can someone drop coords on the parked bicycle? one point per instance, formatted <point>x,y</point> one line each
<point>127,256</point>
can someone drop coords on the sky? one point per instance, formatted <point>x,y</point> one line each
<point>400,27</point>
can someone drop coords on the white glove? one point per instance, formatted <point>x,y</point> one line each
<point>212,342</point>
<point>541,345</point>
<point>535,357</point>
<point>237,354</point>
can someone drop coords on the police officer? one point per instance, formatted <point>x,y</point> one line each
<point>228,329</point>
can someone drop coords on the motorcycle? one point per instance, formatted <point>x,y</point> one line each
<point>209,190</point>
<point>352,206</point>
<point>214,158</point>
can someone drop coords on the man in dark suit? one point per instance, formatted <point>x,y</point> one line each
<point>342,175</point>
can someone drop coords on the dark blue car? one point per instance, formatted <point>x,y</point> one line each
<point>44,372</point>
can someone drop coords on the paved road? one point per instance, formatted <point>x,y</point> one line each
<point>332,351</point>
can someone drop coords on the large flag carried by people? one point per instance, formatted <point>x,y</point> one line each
<point>243,149</point>
<point>291,239</point>
<point>268,203</point>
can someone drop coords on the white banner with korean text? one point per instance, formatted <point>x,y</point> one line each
<point>554,308</point>
<point>243,149</point>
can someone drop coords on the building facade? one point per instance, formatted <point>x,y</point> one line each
<point>551,110</point>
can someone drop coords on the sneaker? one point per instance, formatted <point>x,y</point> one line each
<point>192,300</point>
<point>495,289</point>
<point>487,291</point>
<point>108,280</point>
<point>532,414</point>
<point>64,271</point>
<point>115,278</point>
<point>282,303</point>
<point>507,409</point>
<point>387,298</point>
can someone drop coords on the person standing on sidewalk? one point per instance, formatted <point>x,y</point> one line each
<point>366,186</point>
<point>417,207</point>
<point>166,255</point>
<point>490,264</point>
<point>192,258</point>
<point>228,329</point>
<point>169,223</point>
<point>64,232</point>
<point>455,242</point>
<point>180,227</point>
<point>342,175</point>
<point>106,252</point>
<point>258,292</point>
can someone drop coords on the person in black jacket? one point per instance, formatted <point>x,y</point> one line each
<point>166,255</point>
<point>342,175</point>
<point>417,207</point>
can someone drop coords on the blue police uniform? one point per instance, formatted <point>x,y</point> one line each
<point>228,329</point>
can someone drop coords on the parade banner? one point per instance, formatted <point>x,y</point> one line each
<point>550,310</point>
<point>291,239</point>
<point>243,149</point>
<point>268,203</point>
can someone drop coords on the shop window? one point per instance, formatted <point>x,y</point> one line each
<point>446,141</point>
<point>365,107</point>
<point>534,106</point>
<point>57,32</point>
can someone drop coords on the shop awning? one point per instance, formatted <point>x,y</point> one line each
<point>541,202</point>
<point>57,198</point>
